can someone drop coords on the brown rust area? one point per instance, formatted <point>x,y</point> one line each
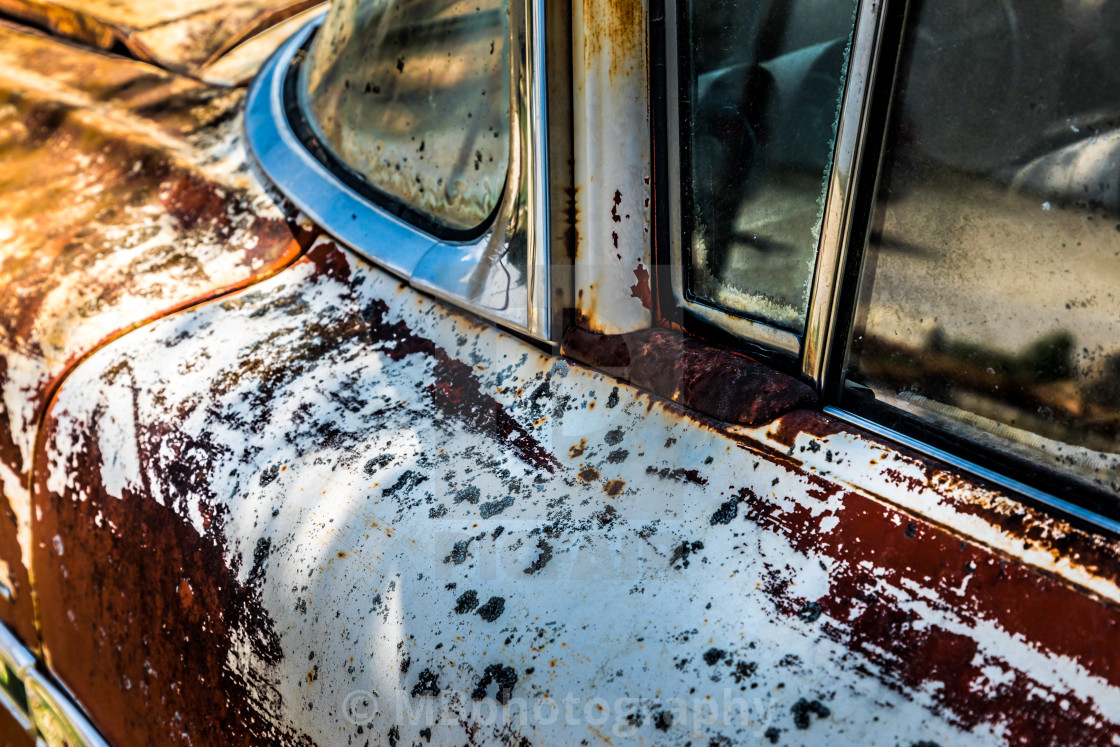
<point>1028,527</point>
<point>110,216</point>
<point>182,36</point>
<point>871,547</point>
<point>715,381</point>
<point>140,610</point>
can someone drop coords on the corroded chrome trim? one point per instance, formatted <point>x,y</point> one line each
<point>472,274</point>
<point>996,478</point>
<point>836,230</point>
<point>51,718</point>
<point>747,329</point>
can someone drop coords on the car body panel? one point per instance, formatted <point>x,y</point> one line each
<point>183,36</point>
<point>152,208</point>
<point>353,510</point>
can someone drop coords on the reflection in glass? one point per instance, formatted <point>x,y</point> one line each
<point>413,95</point>
<point>766,81</point>
<point>990,299</point>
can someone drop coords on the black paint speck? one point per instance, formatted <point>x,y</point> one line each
<point>663,720</point>
<point>810,613</point>
<point>725,513</point>
<point>505,677</point>
<point>493,609</point>
<point>713,656</point>
<point>803,708</point>
<point>542,559</point>
<point>773,734</point>
<point>618,456</point>
<point>912,529</point>
<point>612,399</point>
<point>681,552</point>
<point>470,494</point>
<point>466,602</point>
<point>613,437</point>
<point>428,684</point>
<point>493,508</point>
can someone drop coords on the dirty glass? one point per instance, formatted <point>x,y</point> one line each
<point>990,299</point>
<point>413,96</point>
<point>764,85</point>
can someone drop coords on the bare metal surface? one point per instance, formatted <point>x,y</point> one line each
<point>182,35</point>
<point>124,195</point>
<point>612,166</point>
<point>238,66</point>
<point>377,516</point>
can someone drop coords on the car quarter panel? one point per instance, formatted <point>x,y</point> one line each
<point>124,195</point>
<point>183,36</point>
<point>330,509</point>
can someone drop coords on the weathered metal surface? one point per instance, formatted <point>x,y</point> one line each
<point>714,381</point>
<point>612,166</point>
<point>124,196</point>
<point>238,66</point>
<point>354,514</point>
<point>183,36</point>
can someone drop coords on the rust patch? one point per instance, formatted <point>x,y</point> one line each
<point>617,28</point>
<point>113,219</point>
<point>715,381</point>
<point>139,659</point>
<point>640,290</point>
<point>870,545</point>
<point>1028,526</point>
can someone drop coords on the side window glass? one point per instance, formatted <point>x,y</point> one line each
<point>761,88</point>
<point>413,96</point>
<point>990,293</point>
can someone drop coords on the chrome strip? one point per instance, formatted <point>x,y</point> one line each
<point>820,328</point>
<point>52,717</point>
<point>997,478</point>
<point>747,329</point>
<point>470,274</point>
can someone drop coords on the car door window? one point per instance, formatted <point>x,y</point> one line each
<point>990,287</point>
<point>762,85</point>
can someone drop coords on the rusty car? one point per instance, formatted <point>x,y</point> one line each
<point>526,372</point>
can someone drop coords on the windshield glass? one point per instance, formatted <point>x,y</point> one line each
<point>413,97</point>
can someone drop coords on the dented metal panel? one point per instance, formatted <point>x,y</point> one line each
<point>355,514</point>
<point>124,196</point>
<point>612,166</point>
<point>181,36</point>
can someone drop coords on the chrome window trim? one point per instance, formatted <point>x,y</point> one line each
<point>459,272</point>
<point>997,478</point>
<point>812,347</point>
<point>843,182</point>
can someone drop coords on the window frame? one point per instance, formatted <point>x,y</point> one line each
<point>811,349</point>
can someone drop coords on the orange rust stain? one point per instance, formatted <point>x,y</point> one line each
<point>186,593</point>
<point>617,29</point>
<point>614,487</point>
<point>589,474</point>
<point>577,451</point>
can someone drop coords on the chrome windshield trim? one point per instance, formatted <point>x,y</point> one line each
<point>472,274</point>
<point>836,229</point>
